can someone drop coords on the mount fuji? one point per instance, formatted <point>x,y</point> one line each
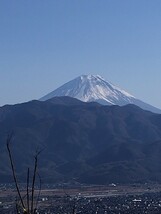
<point>93,88</point>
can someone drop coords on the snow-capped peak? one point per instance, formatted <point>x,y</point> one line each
<point>90,88</point>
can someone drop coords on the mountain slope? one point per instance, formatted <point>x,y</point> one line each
<point>90,88</point>
<point>85,142</point>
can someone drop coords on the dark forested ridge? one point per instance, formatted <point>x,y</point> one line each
<point>84,142</point>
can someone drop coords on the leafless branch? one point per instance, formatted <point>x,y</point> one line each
<point>9,138</point>
<point>38,196</point>
<point>33,180</point>
<point>27,190</point>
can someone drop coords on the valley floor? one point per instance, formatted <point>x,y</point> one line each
<point>111,199</point>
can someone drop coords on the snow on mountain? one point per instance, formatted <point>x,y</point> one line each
<point>90,88</point>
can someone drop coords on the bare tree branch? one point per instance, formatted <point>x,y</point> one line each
<point>9,138</point>
<point>33,180</point>
<point>40,181</point>
<point>27,190</point>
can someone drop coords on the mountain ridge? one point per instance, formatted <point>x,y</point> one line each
<point>85,142</point>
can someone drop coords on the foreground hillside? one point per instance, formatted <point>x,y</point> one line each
<point>84,142</point>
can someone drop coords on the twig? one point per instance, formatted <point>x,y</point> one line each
<point>13,169</point>
<point>39,190</point>
<point>33,180</point>
<point>27,190</point>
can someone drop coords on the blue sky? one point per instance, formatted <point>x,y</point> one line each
<point>45,43</point>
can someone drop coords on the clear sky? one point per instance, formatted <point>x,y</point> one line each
<point>45,43</point>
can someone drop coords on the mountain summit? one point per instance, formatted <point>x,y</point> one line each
<point>90,88</point>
